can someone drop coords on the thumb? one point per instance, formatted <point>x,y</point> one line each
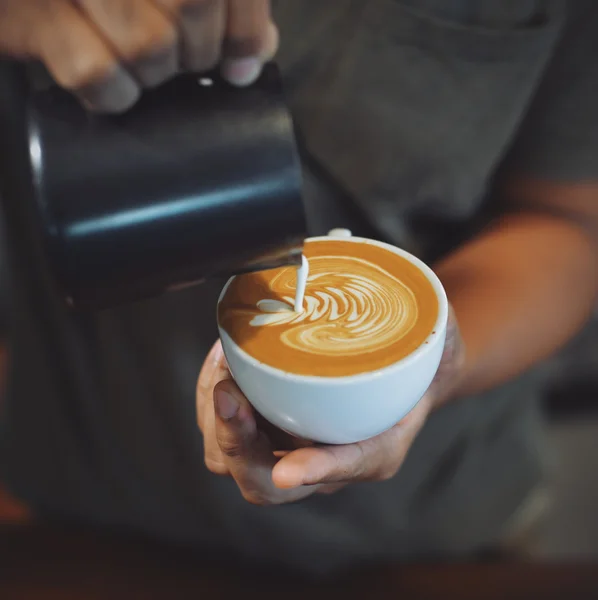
<point>247,451</point>
<point>236,428</point>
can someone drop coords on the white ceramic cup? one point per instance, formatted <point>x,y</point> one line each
<point>342,410</point>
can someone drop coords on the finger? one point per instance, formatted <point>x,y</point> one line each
<point>247,451</point>
<point>214,370</point>
<point>214,362</point>
<point>453,348</point>
<point>251,40</point>
<point>450,372</point>
<point>214,458</point>
<point>80,61</point>
<point>201,25</point>
<point>377,459</point>
<point>318,465</point>
<point>237,433</point>
<point>142,36</point>
<point>20,23</point>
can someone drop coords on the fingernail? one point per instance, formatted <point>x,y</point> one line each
<point>242,71</point>
<point>114,93</point>
<point>227,406</point>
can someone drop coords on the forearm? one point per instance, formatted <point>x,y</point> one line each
<point>520,291</point>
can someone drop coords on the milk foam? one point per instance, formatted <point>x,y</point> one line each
<point>302,275</point>
<point>364,310</point>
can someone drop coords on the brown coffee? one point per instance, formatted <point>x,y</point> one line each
<point>365,308</point>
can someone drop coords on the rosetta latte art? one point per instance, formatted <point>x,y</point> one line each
<point>366,307</point>
<point>364,310</point>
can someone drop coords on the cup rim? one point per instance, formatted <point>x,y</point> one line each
<point>424,348</point>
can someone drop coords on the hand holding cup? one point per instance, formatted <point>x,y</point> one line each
<point>271,467</point>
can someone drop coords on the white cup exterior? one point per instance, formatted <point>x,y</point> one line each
<point>342,410</point>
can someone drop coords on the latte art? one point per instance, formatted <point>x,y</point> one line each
<point>365,307</point>
<point>343,314</point>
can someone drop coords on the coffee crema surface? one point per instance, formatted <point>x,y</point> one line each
<point>365,308</point>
